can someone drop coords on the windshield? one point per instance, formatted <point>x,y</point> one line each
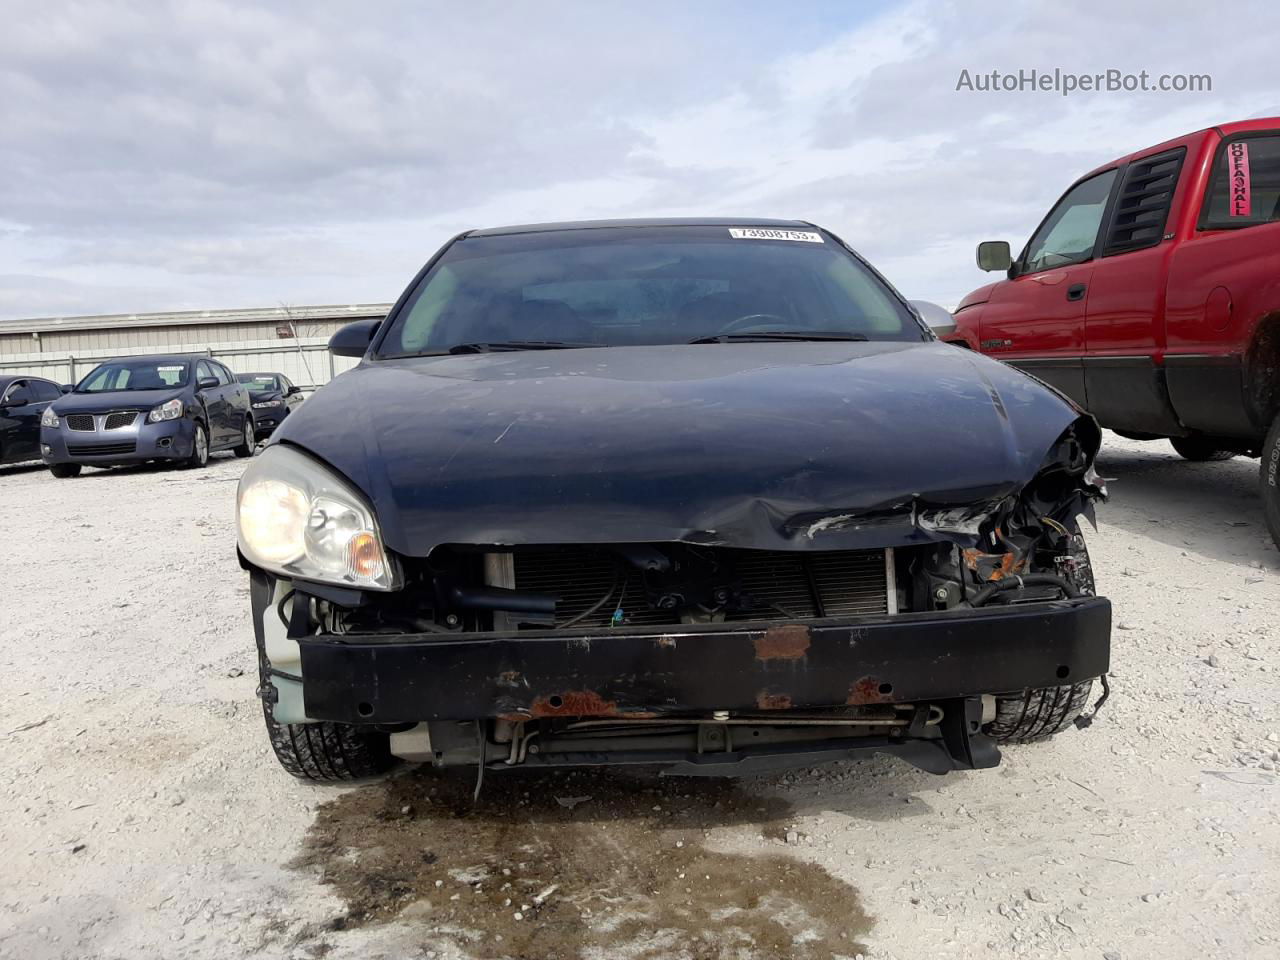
<point>259,381</point>
<point>645,285</point>
<point>138,374</point>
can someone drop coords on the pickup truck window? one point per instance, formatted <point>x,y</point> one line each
<point>1070,232</point>
<point>1245,189</point>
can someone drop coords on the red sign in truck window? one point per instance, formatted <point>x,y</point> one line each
<point>1240,202</point>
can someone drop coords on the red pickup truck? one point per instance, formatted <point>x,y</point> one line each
<point>1150,294</point>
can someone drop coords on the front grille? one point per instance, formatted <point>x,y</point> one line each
<point>80,421</point>
<point>784,585</point>
<point>118,421</point>
<point>101,449</point>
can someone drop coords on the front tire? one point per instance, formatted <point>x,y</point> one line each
<point>199,448</point>
<point>1040,712</point>
<point>328,751</point>
<point>1270,474</point>
<point>64,471</point>
<point>248,440</point>
<point>1198,449</point>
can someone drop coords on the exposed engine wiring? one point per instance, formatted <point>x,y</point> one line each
<point>617,577</point>
<point>1018,581</point>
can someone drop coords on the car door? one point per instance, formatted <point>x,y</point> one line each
<point>239,403</point>
<point>1036,321</point>
<point>1223,289</point>
<point>292,395</point>
<point>215,403</point>
<point>20,411</point>
<point>1124,331</point>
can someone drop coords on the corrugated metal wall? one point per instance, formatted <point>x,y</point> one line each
<point>66,356</point>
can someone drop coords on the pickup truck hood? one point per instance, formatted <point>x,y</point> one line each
<point>113,400</point>
<point>981,295</point>
<point>802,446</point>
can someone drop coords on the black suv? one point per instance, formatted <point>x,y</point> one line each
<point>176,408</point>
<point>701,494</point>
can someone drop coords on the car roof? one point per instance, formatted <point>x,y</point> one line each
<point>638,223</point>
<point>8,378</point>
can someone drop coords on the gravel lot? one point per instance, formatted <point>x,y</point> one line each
<point>141,814</point>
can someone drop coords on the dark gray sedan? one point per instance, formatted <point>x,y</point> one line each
<point>23,401</point>
<point>176,408</point>
<point>274,397</point>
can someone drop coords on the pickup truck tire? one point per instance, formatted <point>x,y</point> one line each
<point>1271,480</point>
<point>1198,450</point>
<point>1040,712</point>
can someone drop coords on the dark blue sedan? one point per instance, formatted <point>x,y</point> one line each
<point>176,408</point>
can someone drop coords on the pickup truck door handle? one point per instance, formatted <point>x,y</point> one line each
<point>1076,291</point>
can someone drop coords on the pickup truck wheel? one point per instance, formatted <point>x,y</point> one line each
<point>64,471</point>
<point>1198,449</point>
<point>1271,480</point>
<point>1040,712</point>
<point>328,751</point>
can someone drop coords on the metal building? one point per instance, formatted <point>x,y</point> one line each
<point>288,340</point>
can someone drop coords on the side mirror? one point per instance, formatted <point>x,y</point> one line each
<point>994,255</point>
<point>937,317</point>
<point>206,383</point>
<point>293,390</point>
<point>67,387</point>
<point>353,339</point>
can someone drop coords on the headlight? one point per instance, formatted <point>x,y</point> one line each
<point>49,418</point>
<point>264,404</point>
<point>296,518</point>
<point>169,410</point>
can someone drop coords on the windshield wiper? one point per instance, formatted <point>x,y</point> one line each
<point>496,346</point>
<point>815,336</point>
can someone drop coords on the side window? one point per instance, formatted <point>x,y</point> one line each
<point>44,390</point>
<point>204,370</point>
<point>1143,202</point>
<point>1070,232</point>
<point>18,394</point>
<point>1245,188</point>
<point>222,373</point>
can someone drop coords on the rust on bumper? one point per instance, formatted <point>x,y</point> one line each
<point>639,672</point>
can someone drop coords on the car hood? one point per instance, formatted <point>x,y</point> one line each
<point>806,446</point>
<point>113,400</point>
<point>261,396</point>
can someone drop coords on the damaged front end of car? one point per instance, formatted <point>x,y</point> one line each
<point>911,628</point>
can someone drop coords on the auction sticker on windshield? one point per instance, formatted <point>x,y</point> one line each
<point>769,233</point>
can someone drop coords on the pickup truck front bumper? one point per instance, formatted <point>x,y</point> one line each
<point>762,673</point>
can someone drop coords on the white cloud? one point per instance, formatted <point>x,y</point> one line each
<point>202,154</point>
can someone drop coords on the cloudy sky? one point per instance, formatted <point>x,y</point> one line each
<point>204,154</point>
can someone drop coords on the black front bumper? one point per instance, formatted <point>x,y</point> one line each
<point>695,671</point>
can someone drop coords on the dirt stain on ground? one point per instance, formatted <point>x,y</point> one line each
<point>596,864</point>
